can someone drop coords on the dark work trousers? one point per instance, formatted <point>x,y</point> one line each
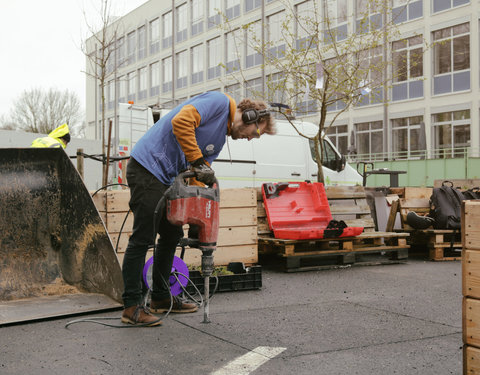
<point>145,192</point>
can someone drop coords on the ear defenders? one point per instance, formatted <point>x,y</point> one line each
<point>252,116</point>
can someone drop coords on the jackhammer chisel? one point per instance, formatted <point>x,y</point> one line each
<point>199,206</point>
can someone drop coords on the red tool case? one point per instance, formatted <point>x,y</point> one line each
<point>300,210</point>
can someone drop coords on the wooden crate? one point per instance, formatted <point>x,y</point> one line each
<point>471,225</point>
<point>347,203</point>
<point>237,238</point>
<point>471,360</point>
<point>471,286</point>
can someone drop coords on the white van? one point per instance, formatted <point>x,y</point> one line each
<point>283,157</point>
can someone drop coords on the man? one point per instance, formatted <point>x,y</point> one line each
<point>190,136</point>
<point>60,137</point>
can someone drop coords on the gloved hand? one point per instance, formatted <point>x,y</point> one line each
<point>203,172</point>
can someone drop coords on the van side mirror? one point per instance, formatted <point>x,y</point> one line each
<point>341,162</point>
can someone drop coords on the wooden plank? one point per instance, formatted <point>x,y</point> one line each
<point>471,273</point>
<point>230,236</point>
<point>414,203</point>
<point>245,197</point>
<point>349,210</point>
<point>114,221</point>
<point>247,254</point>
<point>471,360</point>
<point>417,192</point>
<point>122,244</point>
<point>392,216</point>
<point>238,216</point>
<point>342,192</point>
<point>471,224</point>
<point>471,321</point>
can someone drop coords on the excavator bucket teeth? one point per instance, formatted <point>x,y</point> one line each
<point>56,257</point>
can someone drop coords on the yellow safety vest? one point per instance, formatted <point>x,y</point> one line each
<point>47,142</point>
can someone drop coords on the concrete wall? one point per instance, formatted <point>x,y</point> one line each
<point>93,168</point>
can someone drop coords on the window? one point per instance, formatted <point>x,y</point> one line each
<point>371,67</point>
<point>338,134</point>
<point>406,10</point>
<point>182,22</point>
<point>304,13</point>
<point>275,34</point>
<point>132,86</point>
<point>197,16</point>
<point>329,157</point>
<point>407,68</point>
<point>154,79</point>
<point>214,18</point>
<point>235,91</point>
<point>232,8</point>
<point>232,50</point>
<point>197,64</point>
<point>122,89</point>
<point>142,83</point>
<point>254,35</point>
<point>336,28</point>
<point>252,4</point>
<point>451,59</point>
<point>253,88</point>
<point>451,131</point>
<point>120,52</point>
<point>131,48</point>
<point>154,36</point>
<point>167,30</point>
<point>182,69</point>
<point>142,49</point>
<point>439,5</point>
<point>368,16</point>
<point>406,136</point>
<point>369,137</point>
<point>167,74</point>
<point>214,58</point>
<point>110,56</point>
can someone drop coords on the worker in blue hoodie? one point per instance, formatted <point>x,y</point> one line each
<point>190,136</point>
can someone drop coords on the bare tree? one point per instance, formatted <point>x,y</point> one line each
<point>313,62</point>
<point>100,49</point>
<point>39,111</point>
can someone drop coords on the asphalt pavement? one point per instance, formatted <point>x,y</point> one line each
<point>383,319</point>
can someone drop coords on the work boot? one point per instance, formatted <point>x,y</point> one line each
<point>178,306</point>
<point>139,315</point>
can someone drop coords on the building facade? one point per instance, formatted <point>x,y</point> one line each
<point>167,52</point>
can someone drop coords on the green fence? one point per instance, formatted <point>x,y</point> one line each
<point>423,172</point>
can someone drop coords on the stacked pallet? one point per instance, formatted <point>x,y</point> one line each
<point>237,238</point>
<point>471,286</point>
<point>438,242</point>
<point>347,203</point>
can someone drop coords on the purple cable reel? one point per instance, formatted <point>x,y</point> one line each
<point>175,285</point>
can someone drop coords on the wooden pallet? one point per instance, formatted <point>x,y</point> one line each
<point>347,203</point>
<point>437,242</point>
<point>299,254</point>
<point>434,241</point>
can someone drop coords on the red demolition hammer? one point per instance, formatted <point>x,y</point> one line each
<point>195,205</point>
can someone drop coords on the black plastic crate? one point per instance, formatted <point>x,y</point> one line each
<point>248,280</point>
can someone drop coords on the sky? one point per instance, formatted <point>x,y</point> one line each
<point>40,44</point>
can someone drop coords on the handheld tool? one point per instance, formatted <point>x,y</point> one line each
<point>195,205</point>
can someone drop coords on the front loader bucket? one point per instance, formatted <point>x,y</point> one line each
<point>56,257</point>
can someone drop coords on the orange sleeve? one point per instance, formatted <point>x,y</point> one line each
<point>184,125</point>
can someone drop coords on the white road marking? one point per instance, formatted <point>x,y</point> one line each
<point>247,363</point>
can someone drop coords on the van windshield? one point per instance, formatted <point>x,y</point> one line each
<point>329,155</point>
